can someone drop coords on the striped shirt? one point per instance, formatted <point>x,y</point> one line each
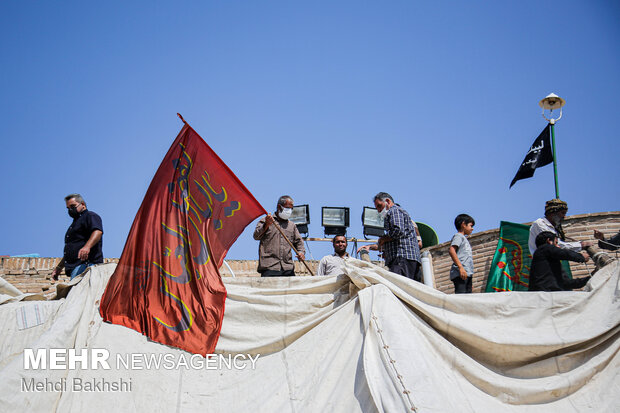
<point>398,226</point>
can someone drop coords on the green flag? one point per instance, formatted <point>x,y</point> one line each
<point>510,269</point>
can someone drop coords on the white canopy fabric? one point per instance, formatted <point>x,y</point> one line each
<point>7,290</point>
<point>365,341</point>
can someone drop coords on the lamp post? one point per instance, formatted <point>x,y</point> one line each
<point>551,102</point>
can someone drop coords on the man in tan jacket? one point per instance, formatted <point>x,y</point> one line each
<point>274,253</point>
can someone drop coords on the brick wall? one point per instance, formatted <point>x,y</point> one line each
<point>33,275</point>
<point>483,244</point>
<point>247,268</point>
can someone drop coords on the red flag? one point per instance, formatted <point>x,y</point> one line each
<point>167,284</point>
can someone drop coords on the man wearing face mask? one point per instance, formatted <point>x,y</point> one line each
<point>274,253</point>
<point>555,211</point>
<point>83,240</point>
<point>401,251</point>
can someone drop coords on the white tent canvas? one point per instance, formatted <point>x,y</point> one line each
<point>367,341</point>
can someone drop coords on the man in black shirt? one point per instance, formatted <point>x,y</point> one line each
<point>612,243</point>
<point>546,271</point>
<point>83,240</point>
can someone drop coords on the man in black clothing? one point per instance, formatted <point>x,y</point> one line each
<point>612,243</point>
<point>83,240</point>
<point>546,270</point>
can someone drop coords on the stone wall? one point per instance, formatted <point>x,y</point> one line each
<point>33,275</point>
<point>483,244</point>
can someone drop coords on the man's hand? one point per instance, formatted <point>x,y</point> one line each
<point>599,235</point>
<point>83,253</point>
<point>258,234</point>
<point>463,273</point>
<point>268,220</point>
<point>95,237</point>
<point>58,269</point>
<point>586,244</point>
<point>301,256</point>
<point>585,255</point>
<point>373,247</point>
<point>382,241</point>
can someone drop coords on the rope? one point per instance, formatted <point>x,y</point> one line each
<point>354,249</point>
<point>399,376</point>
<point>308,249</point>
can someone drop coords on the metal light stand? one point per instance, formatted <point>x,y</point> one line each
<point>553,101</point>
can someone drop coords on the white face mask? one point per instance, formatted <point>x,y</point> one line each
<point>383,212</point>
<point>285,213</point>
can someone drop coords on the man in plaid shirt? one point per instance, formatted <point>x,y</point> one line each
<point>399,244</point>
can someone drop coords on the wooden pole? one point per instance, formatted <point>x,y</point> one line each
<point>292,246</point>
<point>372,241</point>
<point>181,117</point>
<point>274,221</point>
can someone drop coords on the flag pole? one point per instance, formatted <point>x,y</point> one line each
<point>181,117</point>
<point>292,246</point>
<point>274,222</point>
<point>555,162</point>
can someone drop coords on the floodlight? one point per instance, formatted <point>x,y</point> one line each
<point>372,222</point>
<point>301,217</point>
<point>335,220</point>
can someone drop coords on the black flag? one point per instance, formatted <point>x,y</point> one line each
<point>539,155</point>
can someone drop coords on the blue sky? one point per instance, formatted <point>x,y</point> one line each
<point>328,101</point>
